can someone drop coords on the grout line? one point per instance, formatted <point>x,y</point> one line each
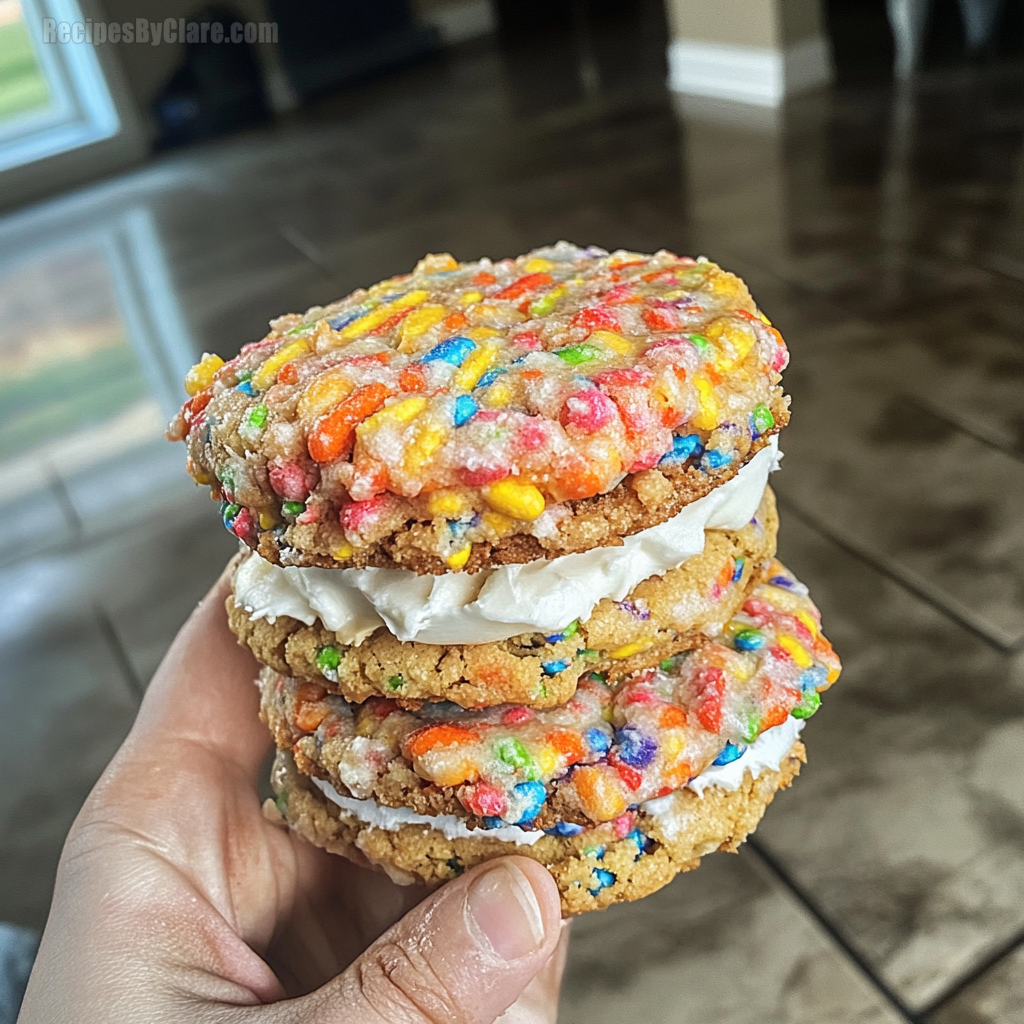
<point>899,576</point>
<point>983,967</point>
<point>312,252</point>
<point>980,436</point>
<point>120,655</point>
<point>890,996</point>
<point>67,506</point>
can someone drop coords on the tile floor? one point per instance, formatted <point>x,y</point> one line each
<point>881,229</point>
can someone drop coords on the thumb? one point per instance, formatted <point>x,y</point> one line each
<point>463,956</point>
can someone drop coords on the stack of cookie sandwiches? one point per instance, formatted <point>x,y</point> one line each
<point>508,561</point>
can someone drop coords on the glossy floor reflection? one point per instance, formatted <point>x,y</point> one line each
<point>883,232</point>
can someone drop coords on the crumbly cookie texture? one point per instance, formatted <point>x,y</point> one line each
<point>610,864</point>
<point>478,414</point>
<point>611,746</point>
<point>662,616</point>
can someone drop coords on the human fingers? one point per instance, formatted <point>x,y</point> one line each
<point>463,956</point>
<point>203,691</point>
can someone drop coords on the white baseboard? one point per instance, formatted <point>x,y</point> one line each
<point>748,74</point>
<point>458,22</point>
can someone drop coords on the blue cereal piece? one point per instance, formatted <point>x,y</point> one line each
<point>532,794</point>
<point>636,748</point>
<point>597,740</point>
<point>682,449</point>
<point>489,377</point>
<point>564,828</point>
<point>730,752</point>
<point>716,459</point>
<point>465,409</point>
<point>602,879</point>
<point>748,640</point>
<point>245,387</point>
<point>737,572</point>
<point>552,668</point>
<point>493,822</point>
<point>344,319</point>
<point>451,350</point>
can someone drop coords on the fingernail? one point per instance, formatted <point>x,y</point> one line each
<point>503,910</point>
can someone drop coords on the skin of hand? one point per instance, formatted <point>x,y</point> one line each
<point>176,900</point>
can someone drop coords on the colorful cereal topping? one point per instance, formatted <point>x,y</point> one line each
<point>510,388</point>
<point>609,748</point>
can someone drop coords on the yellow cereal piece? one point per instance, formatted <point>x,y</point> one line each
<point>447,503</point>
<point>833,675</point>
<point>812,626</point>
<point>724,283</point>
<point>547,759</point>
<point>498,395</point>
<point>385,312</point>
<point>616,342</point>
<point>515,499</point>
<point>733,341</point>
<point>468,298</point>
<point>628,650</point>
<point>671,745</point>
<point>323,393</point>
<point>537,265</point>
<point>437,263</point>
<point>401,412</point>
<point>200,377</point>
<point>476,364</point>
<point>418,322</point>
<point>500,523</point>
<point>795,650</point>
<point>706,417</point>
<point>267,373</point>
<point>267,520</point>
<point>480,333</point>
<point>429,438</point>
<point>460,558</point>
<point>763,318</point>
<point>343,553</point>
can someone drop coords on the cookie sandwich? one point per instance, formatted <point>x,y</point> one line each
<point>507,556</point>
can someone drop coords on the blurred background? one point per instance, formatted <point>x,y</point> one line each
<point>860,163</point>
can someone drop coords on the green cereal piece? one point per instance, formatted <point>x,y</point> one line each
<point>576,354</point>
<point>700,341</point>
<point>281,802</point>
<point>328,659</point>
<point>293,508</point>
<point>809,703</point>
<point>396,683</point>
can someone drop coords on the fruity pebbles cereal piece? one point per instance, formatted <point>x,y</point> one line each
<point>477,414</point>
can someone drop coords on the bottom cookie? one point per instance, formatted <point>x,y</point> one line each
<point>626,859</point>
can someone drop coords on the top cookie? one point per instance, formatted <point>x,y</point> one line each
<point>478,414</point>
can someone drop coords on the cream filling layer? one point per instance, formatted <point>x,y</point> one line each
<point>766,752</point>
<point>543,596</point>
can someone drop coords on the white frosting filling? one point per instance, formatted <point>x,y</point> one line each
<point>767,751</point>
<point>542,596</point>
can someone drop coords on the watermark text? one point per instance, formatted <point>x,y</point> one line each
<point>155,33</point>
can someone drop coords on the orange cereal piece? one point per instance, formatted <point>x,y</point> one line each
<point>309,715</point>
<point>601,793</point>
<point>672,717</point>
<point>332,433</point>
<point>424,740</point>
<point>567,743</point>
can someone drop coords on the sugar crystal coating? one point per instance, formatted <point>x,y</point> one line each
<point>604,752</point>
<point>501,391</point>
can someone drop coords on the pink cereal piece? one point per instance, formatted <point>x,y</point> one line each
<point>517,715</point>
<point>243,527</point>
<point>623,825</point>
<point>358,515</point>
<point>289,481</point>
<point>588,411</point>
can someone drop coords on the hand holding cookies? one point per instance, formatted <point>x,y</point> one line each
<point>177,900</point>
